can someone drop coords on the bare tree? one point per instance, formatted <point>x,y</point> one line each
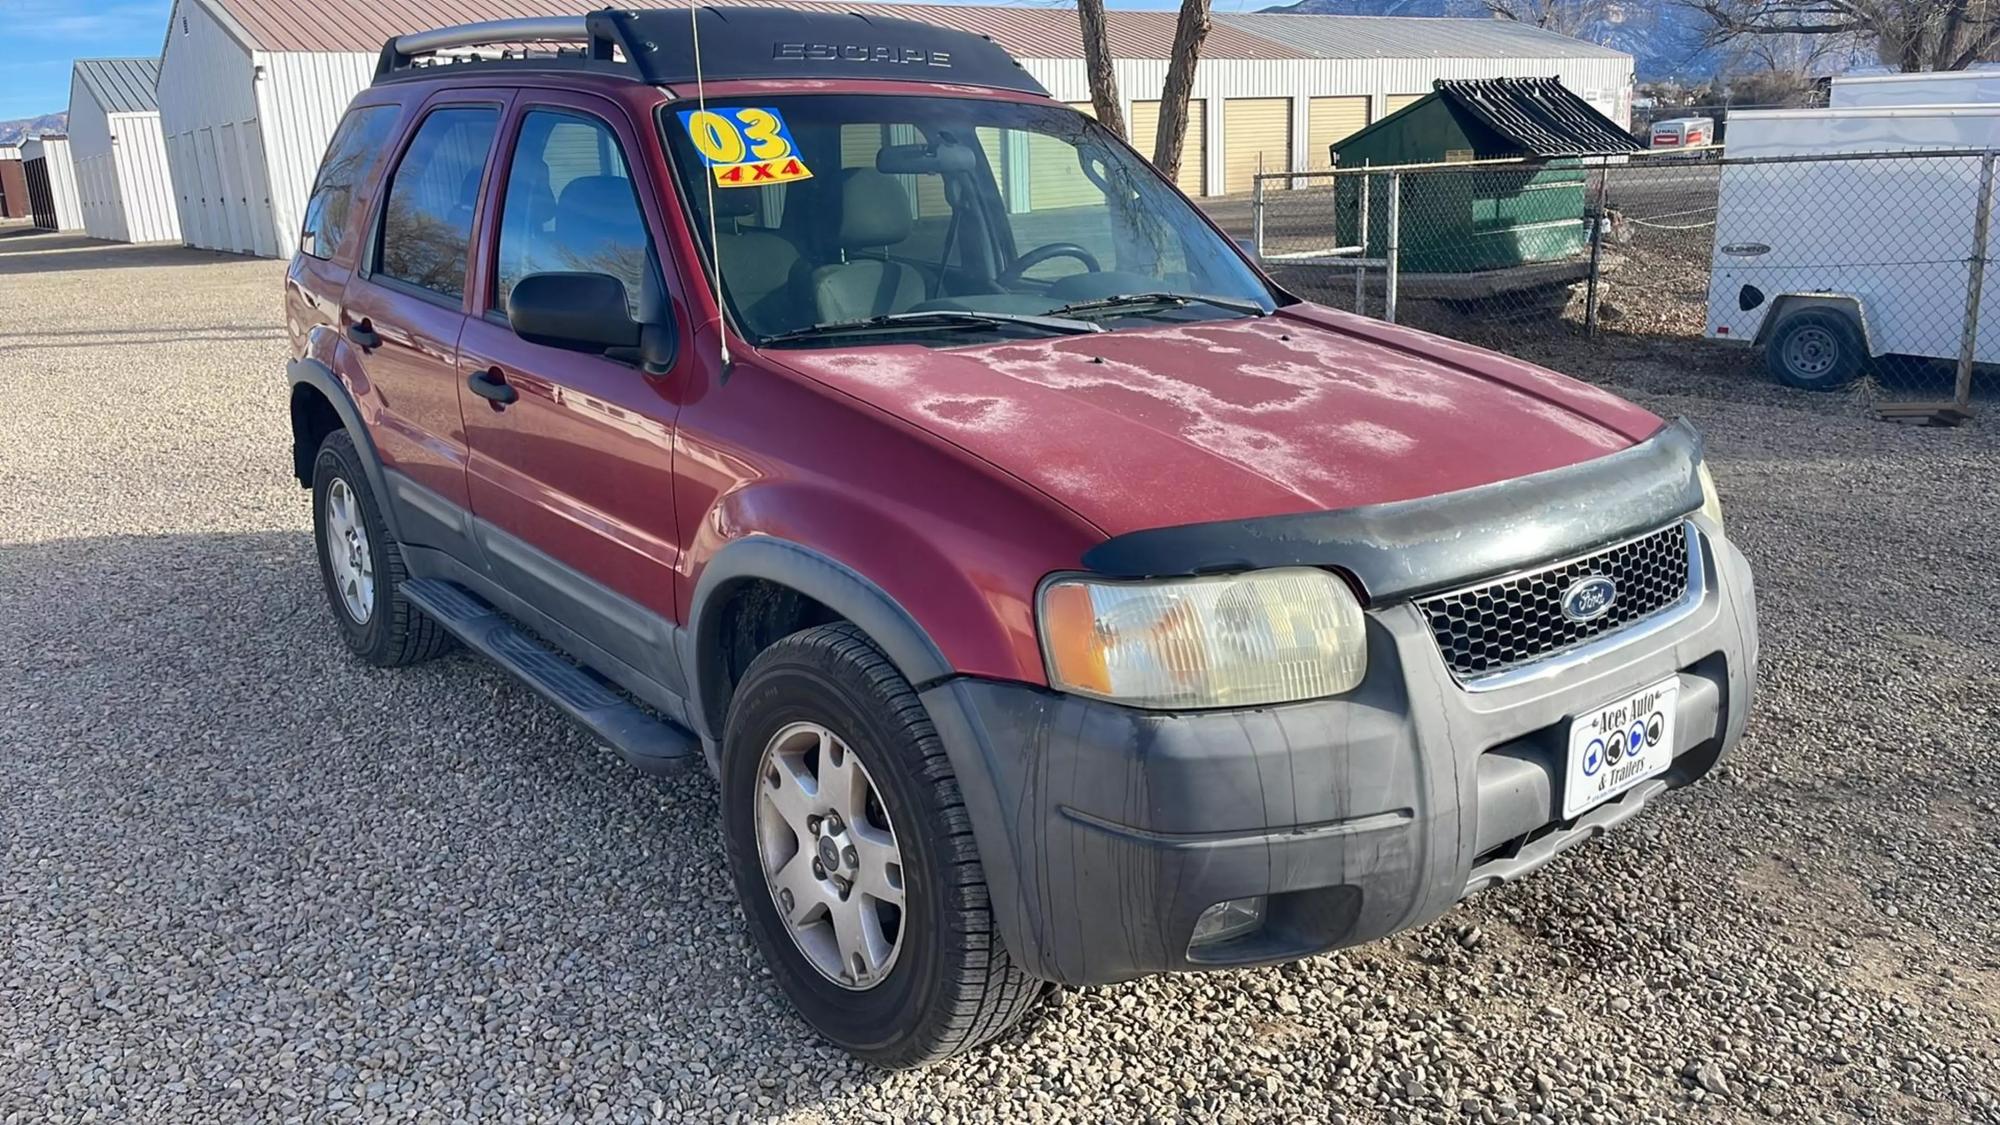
<point>1909,35</point>
<point>1580,19</point>
<point>1190,30</point>
<point>1097,65</point>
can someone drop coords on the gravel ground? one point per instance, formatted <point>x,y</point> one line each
<point>244,878</point>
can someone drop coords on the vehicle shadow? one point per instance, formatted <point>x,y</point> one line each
<point>205,795</point>
<point>30,250</point>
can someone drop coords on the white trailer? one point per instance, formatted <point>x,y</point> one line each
<point>1827,264</point>
<point>1682,132</point>
<point>1938,87</point>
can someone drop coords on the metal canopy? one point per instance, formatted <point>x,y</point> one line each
<point>1539,115</point>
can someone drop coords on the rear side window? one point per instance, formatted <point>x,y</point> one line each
<point>350,160</point>
<point>570,206</point>
<point>427,224</point>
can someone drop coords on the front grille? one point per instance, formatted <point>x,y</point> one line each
<point>1519,620</point>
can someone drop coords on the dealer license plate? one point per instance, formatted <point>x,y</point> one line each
<point>1620,745</point>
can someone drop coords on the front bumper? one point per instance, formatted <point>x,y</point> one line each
<point>1105,831</point>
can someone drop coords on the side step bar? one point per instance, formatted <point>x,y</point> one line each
<point>649,742</point>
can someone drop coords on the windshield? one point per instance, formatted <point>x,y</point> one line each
<point>869,218</point>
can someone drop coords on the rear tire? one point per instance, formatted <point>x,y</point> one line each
<point>949,985</point>
<point>361,565</point>
<point>1816,350</point>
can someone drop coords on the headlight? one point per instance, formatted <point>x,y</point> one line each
<point>1268,636</point>
<point>1711,504</point>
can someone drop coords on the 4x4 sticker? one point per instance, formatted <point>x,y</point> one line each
<point>745,147</point>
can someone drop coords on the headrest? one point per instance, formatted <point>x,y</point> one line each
<point>596,199</point>
<point>873,210</point>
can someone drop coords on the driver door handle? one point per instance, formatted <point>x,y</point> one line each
<point>492,386</point>
<point>363,334</point>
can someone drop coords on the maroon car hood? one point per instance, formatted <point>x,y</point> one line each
<point>1304,411</point>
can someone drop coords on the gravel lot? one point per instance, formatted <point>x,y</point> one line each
<point>243,877</point>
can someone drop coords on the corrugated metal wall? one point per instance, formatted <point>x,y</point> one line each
<point>1606,83</point>
<point>52,153</point>
<point>207,88</point>
<point>301,98</point>
<point>145,186</point>
<point>123,181</point>
<point>90,151</point>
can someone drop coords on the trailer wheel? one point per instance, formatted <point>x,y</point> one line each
<point>1816,350</point>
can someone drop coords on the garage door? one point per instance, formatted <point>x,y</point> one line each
<point>1054,179</point>
<point>1253,128</point>
<point>1329,121</point>
<point>1398,101</point>
<point>1194,144</point>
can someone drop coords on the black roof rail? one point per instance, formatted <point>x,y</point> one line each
<point>592,40</point>
<point>656,46</point>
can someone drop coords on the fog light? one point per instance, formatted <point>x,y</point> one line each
<point>1228,919</point>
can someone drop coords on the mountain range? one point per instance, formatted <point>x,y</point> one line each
<point>20,129</point>
<point>1663,39</point>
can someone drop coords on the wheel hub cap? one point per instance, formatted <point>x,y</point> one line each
<point>1811,352</point>
<point>829,855</point>
<point>347,553</point>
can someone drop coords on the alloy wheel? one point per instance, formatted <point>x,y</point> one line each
<point>347,552</point>
<point>829,855</point>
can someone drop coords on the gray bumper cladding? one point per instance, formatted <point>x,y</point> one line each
<point>1106,831</point>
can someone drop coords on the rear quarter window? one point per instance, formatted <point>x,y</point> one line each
<point>351,158</point>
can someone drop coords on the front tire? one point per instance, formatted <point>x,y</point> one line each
<point>361,565</point>
<point>853,856</point>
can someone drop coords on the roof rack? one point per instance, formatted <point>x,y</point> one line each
<point>655,46</point>
<point>601,40</point>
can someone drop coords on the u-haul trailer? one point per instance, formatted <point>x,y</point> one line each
<point>1829,263</point>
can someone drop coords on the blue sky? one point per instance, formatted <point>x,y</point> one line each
<point>44,36</point>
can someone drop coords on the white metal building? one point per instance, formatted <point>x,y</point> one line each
<point>52,194</point>
<point>119,152</point>
<point>250,90</point>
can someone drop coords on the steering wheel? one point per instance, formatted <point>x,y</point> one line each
<point>1013,274</point>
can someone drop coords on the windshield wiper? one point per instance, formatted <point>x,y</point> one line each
<point>1127,301</point>
<point>936,318</point>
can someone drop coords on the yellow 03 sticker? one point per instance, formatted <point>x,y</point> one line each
<point>747,146</point>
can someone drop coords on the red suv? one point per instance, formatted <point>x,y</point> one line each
<point>1055,599</point>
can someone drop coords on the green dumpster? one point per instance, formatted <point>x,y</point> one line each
<point>1478,217</point>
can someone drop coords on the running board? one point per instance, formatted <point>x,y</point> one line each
<point>649,742</point>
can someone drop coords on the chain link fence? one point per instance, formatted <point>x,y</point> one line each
<point>1857,271</point>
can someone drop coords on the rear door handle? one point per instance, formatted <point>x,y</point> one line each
<point>492,386</point>
<point>364,336</point>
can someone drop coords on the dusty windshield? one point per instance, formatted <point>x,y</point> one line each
<point>941,220</point>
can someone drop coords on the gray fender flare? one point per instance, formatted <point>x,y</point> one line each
<point>833,584</point>
<point>312,373</point>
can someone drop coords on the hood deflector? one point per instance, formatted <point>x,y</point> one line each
<point>1409,547</point>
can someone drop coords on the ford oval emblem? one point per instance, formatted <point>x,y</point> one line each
<point>1588,599</point>
<point>1746,249</point>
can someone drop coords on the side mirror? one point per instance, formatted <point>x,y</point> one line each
<point>1249,249</point>
<point>580,312</point>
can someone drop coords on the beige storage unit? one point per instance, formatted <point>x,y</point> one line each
<point>1194,144</point>
<point>1054,180</point>
<point>1329,121</point>
<point>1398,101</point>
<point>1255,129</point>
